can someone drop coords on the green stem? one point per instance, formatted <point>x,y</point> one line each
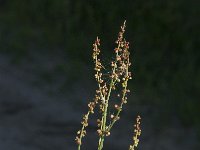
<point>119,110</point>
<point>103,127</point>
<point>104,116</point>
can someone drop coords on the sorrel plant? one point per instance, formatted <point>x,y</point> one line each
<point>114,80</point>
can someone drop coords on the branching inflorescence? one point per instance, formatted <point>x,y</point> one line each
<point>118,78</point>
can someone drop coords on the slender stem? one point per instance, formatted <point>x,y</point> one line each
<point>104,116</point>
<point>119,110</point>
<point>104,128</point>
<point>81,134</point>
<point>101,140</point>
<point>121,105</point>
<point>83,127</point>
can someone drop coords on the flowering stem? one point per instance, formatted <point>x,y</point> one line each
<point>119,75</point>
<point>123,97</point>
<point>79,140</point>
<point>118,112</point>
<point>104,116</point>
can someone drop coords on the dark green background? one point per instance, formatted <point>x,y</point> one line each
<point>164,37</point>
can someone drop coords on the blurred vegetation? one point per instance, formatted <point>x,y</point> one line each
<point>164,37</point>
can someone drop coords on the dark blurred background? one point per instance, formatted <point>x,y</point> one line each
<point>47,77</point>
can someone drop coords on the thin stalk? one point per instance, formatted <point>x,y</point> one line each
<point>81,134</point>
<point>121,105</point>
<point>118,112</point>
<point>101,140</point>
<point>104,116</point>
